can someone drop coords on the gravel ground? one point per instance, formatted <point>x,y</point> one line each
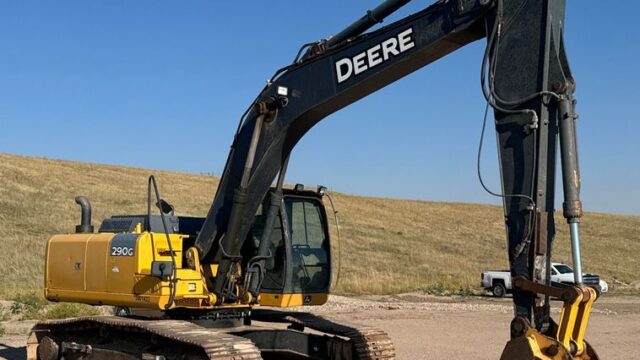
<point>428,327</point>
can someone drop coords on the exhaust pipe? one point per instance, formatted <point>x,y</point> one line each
<point>85,219</point>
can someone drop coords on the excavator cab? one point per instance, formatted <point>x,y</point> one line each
<point>298,268</point>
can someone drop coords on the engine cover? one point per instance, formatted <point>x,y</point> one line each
<point>115,269</point>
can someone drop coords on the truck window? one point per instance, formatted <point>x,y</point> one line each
<point>563,269</point>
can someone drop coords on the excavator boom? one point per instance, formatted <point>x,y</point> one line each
<point>261,244</point>
<point>304,93</point>
<point>525,78</point>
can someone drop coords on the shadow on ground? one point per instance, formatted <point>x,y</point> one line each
<point>12,353</point>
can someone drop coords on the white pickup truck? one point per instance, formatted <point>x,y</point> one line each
<point>499,282</point>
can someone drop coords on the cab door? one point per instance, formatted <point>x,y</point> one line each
<point>299,270</point>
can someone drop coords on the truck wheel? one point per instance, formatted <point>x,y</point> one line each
<point>498,290</point>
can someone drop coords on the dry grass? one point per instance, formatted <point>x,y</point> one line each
<point>397,245</point>
<point>388,245</point>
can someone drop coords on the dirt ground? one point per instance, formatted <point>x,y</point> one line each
<point>427,327</point>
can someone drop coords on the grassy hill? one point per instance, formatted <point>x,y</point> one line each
<point>388,245</point>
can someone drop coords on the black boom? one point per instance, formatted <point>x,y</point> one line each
<point>525,78</point>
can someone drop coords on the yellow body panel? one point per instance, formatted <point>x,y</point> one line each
<point>66,268</point>
<point>93,269</point>
<point>291,300</point>
<point>98,248</point>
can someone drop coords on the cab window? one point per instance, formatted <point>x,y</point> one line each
<point>310,246</point>
<point>275,264</point>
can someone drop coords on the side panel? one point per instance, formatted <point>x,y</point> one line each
<point>291,300</point>
<point>114,269</point>
<point>97,262</point>
<point>66,265</point>
<point>121,264</point>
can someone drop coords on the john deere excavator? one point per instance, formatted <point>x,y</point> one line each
<point>263,245</point>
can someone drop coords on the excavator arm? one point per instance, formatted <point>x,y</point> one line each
<point>525,78</point>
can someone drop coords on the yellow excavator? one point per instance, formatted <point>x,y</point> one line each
<point>216,282</point>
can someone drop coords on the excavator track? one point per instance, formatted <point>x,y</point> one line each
<point>369,343</point>
<point>112,337</point>
<point>197,342</point>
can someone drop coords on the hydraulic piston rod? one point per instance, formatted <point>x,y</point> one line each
<point>572,206</point>
<point>574,230</point>
<point>371,18</point>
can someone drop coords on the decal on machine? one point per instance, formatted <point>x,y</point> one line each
<point>123,245</point>
<point>348,67</point>
<point>121,251</point>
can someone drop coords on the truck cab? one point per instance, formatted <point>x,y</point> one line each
<point>563,274</point>
<point>499,282</point>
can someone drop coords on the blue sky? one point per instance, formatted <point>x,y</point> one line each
<point>103,81</point>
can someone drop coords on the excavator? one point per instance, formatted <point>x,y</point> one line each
<point>218,282</point>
